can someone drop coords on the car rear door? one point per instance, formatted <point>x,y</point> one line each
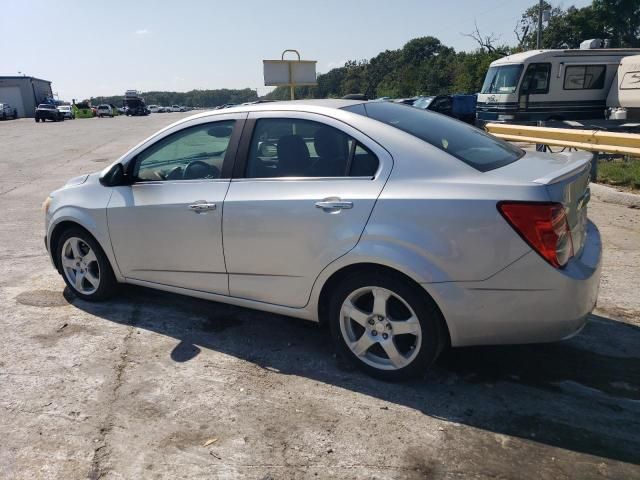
<point>166,227</point>
<point>304,186</point>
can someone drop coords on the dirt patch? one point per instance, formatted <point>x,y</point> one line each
<point>42,298</point>
<point>63,331</point>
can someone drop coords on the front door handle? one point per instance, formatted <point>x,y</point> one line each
<point>202,206</point>
<point>332,205</point>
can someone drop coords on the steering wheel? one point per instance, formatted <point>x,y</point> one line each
<point>199,169</point>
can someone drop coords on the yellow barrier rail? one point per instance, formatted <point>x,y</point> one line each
<point>591,140</point>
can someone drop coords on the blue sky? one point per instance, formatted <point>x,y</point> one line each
<point>88,47</point>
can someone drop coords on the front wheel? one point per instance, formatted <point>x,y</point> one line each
<point>85,268</point>
<point>386,325</point>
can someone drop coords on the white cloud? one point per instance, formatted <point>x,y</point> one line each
<point>143,31</point>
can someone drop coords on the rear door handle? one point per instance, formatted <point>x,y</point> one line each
<point>334,205</point>
<point>202,206</point>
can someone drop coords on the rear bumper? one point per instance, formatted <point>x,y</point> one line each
<point>527,302</point>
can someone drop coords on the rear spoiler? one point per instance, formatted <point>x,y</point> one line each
<point>578,162</point>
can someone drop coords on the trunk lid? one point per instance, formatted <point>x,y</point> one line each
<point>565,176</point>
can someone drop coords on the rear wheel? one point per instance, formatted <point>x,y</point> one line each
<point>85,267</point>
<point>386,325</point>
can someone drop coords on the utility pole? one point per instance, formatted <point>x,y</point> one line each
<point>539,36</point>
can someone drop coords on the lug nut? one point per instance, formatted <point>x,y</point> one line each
<point>371,321</point>
<point>385,336</point>
<point>388,326</point>
<point>374,333</point>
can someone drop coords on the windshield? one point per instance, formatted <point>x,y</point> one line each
<point>468,144</point>
<point>423,102</point>
<point>502,79</point>
<point>46,106</point>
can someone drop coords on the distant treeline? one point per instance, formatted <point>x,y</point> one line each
<point>424,66</point>
<point>194,98</point>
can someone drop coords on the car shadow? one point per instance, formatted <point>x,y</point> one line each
<point>582,394</point>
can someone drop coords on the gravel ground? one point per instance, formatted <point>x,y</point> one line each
<point>154,385</point>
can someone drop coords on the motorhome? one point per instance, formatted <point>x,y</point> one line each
<point>550,85</point>
<point>624,96</point>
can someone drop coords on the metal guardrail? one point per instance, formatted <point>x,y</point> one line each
<point>591,140</point>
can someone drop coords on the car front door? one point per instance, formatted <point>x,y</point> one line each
<point>303,188</point>
<point>165,228</point>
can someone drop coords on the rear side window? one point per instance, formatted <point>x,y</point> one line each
<point>466,143</point>
<point>288,147</point>
<point>584,77</point>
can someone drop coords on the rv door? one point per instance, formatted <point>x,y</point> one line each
<point>535,82</point>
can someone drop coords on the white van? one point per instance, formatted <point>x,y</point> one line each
<point>549,85</point>
<point>624,95</point>
<point>104,110</point>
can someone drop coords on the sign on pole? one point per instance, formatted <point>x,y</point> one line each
<point>293,73</point>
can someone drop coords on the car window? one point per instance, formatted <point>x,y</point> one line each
<point>464,142</point>
<point>286,147</point>
<point>584,77</point>
<point>193,153</point>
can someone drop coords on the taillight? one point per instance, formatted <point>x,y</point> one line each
<point>543,226</point>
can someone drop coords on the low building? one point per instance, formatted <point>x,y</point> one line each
<point>24,93</point>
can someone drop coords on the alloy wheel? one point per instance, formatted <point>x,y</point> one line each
<point>80,265</point>
<point>380,328</point>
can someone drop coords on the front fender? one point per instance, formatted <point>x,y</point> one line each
<point>92,216</point>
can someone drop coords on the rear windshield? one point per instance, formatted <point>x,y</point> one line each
<point>103,107</point>
<point>469,144</point>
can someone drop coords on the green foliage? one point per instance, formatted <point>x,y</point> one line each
<point>620,172</point>
<point>617,20</point>
<point>424,66</point>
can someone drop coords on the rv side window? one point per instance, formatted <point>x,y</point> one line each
<point>536,79</point>
<point>584,77</point>
<point>630,81</point>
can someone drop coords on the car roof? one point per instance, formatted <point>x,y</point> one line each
<point>317,106</point>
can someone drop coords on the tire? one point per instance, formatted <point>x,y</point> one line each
<point>4,116</point>
<point>74,256</point>
<point>37,120</point>
<point>408,308</point>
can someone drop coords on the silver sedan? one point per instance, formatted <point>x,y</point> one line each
<point>403,230</point>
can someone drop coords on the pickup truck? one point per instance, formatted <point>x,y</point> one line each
<point>46,111</point>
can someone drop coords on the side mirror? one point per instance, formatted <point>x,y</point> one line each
<point>114,176</point>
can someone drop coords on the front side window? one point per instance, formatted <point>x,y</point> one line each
<point>584,77</point>
<point>190,154</point>
<point>466,143</point>
<point>536,78</point>
<point>503,79</point>
<point>287,147</point>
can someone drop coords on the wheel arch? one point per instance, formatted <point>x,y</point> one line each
<point>57,231</point>
<point>336,277</point>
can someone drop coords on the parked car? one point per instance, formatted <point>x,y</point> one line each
<point>460,106</point>
<point>7,111</point>
<point>47,111</point>
<point>153,108</point>
<point>67,111</point>
<point>403,230</point>
<point>105,110</point>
